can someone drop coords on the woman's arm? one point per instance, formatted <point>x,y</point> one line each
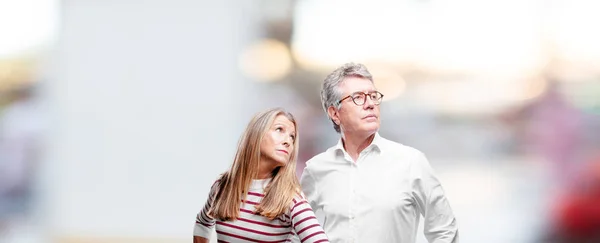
<point>205,224</point>
<point>305,223</point>
<point>198,239</point>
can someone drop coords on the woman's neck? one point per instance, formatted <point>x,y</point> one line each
<point>265,170</point>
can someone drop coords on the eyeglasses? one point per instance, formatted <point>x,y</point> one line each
<point>359,98</point>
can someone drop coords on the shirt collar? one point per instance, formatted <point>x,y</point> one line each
<point>259,184</point>
<point>375,144</point>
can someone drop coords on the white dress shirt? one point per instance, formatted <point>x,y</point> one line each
<point>379,198</point>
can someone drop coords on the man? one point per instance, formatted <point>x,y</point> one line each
<point>367,188</point>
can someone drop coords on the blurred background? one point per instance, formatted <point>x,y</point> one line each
<point>117,116</point>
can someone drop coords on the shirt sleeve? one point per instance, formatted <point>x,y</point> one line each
<point>305,223</point>
<point>439,222</point>
<point>205,223</point>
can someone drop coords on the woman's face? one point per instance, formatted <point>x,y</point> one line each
<point>278,143</point>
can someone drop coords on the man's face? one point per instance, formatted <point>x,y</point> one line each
<point>356,119</point>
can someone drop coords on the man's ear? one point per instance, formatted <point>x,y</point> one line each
<point>333,114</point>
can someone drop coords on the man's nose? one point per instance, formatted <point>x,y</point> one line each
<point>369,102</point>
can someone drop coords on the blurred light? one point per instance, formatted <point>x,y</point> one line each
<point>573,23</point>
<point>358,33</point>
<point>437,35</point>
<point>387,80</point>
<point>26,25</point>
<point>476,95</point>
<point>266,60</point>
<point>534,87</point>
<point>4,73</point>
<point>15,73</point>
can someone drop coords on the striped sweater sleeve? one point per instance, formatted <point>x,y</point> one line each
<point>204,223</point>
<point>305,223</point>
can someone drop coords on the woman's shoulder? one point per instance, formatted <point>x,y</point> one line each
<point>298,197</point>
<point>217,183</point>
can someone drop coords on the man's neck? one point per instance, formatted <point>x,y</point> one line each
<point>356,144</point>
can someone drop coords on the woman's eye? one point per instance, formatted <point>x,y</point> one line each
<point>279,129</point>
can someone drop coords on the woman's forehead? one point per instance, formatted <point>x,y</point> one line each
<point>282,119</point>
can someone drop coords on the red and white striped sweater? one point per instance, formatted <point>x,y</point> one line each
<point>249,227</point>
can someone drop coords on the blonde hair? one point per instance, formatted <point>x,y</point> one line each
<point>234,184</point>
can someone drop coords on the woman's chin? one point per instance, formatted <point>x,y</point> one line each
<point>281,163</point>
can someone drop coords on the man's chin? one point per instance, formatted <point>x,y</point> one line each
<point>371,128</point>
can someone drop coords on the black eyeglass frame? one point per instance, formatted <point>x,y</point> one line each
<point>377,101</point>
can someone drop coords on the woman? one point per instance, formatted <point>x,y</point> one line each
<point>259,198</point>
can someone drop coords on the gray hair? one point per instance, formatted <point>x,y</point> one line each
<point>330,93</point>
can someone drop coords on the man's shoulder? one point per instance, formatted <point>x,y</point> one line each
<point>327,155</point>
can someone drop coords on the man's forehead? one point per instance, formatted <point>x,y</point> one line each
<point>351,87</point>
<point>358,90</point>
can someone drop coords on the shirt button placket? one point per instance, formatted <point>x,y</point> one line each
<point>352,202</point>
